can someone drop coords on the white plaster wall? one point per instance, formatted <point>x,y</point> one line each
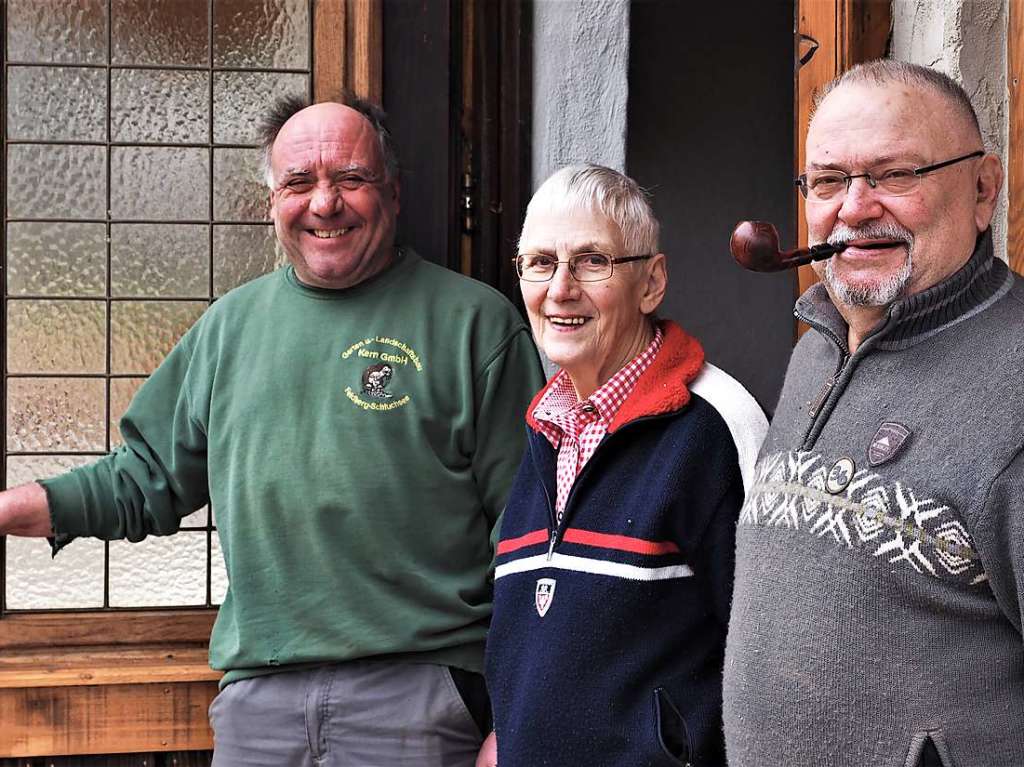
<point>580,67</point>
<point>966,39</point>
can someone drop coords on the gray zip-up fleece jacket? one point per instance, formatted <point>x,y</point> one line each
<point>880,553</point>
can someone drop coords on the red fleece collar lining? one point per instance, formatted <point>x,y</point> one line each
<point>663,386</point>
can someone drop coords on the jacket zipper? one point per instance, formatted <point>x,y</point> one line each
<point>558,527</point>
<point>829,387</point>
<point>829,391</point>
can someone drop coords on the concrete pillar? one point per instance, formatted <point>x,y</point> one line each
<point>580,67</point>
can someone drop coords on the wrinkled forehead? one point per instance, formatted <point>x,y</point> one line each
<point>862,123</point>
<point>327,135</point>
<point>570,227</point>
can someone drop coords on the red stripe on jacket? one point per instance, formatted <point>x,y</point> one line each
<point>589,538</point>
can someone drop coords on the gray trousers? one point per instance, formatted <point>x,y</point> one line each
<point>355,714</point>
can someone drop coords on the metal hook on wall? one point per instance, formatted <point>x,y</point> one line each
<point>809,54</point>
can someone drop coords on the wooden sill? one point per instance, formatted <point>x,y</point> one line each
<point>59,697</point>
<point>151,664</point>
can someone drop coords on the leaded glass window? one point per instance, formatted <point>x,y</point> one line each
<point>131,202</point>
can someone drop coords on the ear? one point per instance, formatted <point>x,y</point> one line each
<point>989,182</point>
<point>655,283</point>
<point>396,191</point>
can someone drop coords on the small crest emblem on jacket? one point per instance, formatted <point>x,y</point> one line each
<point>544,595</point>
<point>887,442</point>
<point>840,475</point>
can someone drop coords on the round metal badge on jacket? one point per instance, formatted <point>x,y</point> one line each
<point>840,475</point>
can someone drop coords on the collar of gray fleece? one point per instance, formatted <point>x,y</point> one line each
<point>980,282</point>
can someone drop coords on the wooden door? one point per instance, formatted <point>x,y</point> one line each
<point>831,36</point>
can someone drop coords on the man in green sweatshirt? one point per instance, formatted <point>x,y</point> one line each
<point>354,419</point>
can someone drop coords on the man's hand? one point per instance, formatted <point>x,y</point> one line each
<point>488,756</point>
<point>25,511</point>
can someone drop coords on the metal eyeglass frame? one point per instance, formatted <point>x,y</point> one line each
<point>801,180</point>
<point>572,269</point>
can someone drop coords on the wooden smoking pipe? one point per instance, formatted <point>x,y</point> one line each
<point>755,246</point>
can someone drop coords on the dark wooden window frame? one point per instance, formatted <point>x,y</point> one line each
<point>127,681</point>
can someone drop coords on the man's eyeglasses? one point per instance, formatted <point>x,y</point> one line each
<point>832,185</point>
<point>584,267</point>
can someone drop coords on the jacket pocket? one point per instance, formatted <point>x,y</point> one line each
<point>673,736</point>
<point>928,749</point>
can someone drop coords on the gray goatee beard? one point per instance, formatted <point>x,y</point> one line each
<point>880,292</point>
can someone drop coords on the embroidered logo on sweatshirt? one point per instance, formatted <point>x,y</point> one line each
<point>382,384</point>
<point>375,380</point>
<point>544,595</point>
<point>887,442</point>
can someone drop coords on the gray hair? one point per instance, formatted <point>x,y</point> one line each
<point>602,190</point>
<point>886,71</point>
<point>286,107</point>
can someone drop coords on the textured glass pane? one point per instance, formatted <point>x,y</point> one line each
<point>241,253</point>
<point>241,98</point>
<point>196,518</point>
<point>57,31</point>
<point>161,32</point>
<point>272,33</point>
<point>160,106</point>
<point>160,260</point>
<point>56,181</point>
<point>143,332</point>
<point>35,581</point>
<point>159,571</point>
<point>56,336</point>
<point>30,468</point>
<point>56,259</point>
<point>239,193</point>
<point>57,104</point>
<point>159,183</point>
<point>218,573</point>
<point>121,392</point>
<point>55,414</point>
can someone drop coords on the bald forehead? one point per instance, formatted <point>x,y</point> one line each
<point>328,128</point>
<point>918,107</point>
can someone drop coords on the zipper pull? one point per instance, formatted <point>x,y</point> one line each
<point>551,545</point>
<point>826,389</point>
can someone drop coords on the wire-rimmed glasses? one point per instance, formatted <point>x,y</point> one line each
<point>829,185</point>
<point>584,267</point>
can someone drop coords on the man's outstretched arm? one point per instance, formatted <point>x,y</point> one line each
<point>25,511</point>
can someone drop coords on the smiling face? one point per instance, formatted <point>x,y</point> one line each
<point>590,329</point>
<point>869,127</point>
<point>333,208</point>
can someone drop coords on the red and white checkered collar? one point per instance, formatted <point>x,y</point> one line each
<point>560,410</point>
<point>662,388</point>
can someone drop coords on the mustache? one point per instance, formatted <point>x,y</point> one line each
<point>875,231</point>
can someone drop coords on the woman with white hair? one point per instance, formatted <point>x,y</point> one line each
<point>615,560</point>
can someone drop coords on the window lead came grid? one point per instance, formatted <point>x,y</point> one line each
<point>132,201</point>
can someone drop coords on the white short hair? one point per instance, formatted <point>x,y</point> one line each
<point>602,190</point>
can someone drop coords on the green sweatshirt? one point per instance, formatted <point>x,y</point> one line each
<point>356,447</point>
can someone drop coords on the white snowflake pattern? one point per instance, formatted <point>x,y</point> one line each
<point>789,492</point>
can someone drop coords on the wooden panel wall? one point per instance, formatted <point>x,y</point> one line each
<point>845,32</point>
<point>347,49</point>
<point>1015,146</point>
